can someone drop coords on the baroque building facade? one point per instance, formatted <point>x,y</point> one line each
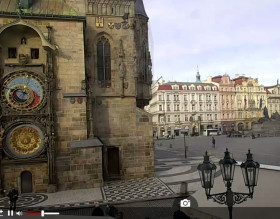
<point>74,80</point>
<point>273,99</point>
<point>227,101</point>
<point>189,106</point>
<point>250,101</point>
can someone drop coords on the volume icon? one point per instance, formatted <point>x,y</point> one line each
<point>19,213</point>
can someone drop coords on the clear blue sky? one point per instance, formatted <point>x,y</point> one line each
<point>232,36</point>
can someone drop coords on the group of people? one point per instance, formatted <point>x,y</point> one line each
<point>110,211</point>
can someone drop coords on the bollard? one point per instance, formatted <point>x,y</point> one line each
<point>184,188</point>
<point>170,146</point>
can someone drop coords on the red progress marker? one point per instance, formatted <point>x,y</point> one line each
<point>33,213</point>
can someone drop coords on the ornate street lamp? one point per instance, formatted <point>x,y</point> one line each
<point>250,170</point>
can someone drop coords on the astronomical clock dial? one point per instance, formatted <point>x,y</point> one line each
<point>24,141</point>
<point>23,91</point>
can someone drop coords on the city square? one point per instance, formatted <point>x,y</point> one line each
<point>139,108</point>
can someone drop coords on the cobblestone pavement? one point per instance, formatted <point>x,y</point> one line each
<point>135,189</point>
<point>24,200</point>
<point>114,192</point>
<point>265,150</point>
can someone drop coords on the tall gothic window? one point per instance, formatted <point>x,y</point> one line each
<point>104,62</point>
<point>144,62</point>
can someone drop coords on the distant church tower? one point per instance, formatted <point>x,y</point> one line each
<point>198,76</point>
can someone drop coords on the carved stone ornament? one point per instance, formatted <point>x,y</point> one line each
<point>111,25</point>
<point>122,70</point>
<point>125,25</point>
<point>125,85</point>
<point>72,100</point>
<point>118,26</point>
<point>80,100</point>
<point>121,50</point>
<point>23,59</point>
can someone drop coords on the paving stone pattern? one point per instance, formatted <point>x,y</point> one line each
<point>135,189</point>
<point>24,200</point>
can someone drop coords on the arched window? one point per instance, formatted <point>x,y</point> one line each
<point>104,62</point>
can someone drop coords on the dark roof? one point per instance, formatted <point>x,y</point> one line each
<point>42,8</point>
<point>190,83</point>
<point>240,79</point>
<point>140,8</point>
<point>168,86</point>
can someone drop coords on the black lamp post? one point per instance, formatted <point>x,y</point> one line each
<point>250,170</point>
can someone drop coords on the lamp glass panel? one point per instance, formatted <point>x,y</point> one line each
<point>232,171</point>
<point>245,176</point>
<point>251,176</point>
<point>207,178</point>
<point>227,172</point>
<point>201,178</point>
<point>257,176</point>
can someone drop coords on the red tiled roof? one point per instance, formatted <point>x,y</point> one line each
<point>217,79</point>
<point>164,87</point>
<point>239,80</point>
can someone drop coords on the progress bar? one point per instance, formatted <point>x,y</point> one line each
<point>42,213</point>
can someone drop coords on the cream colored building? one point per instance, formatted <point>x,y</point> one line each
<point>191,106</point>
<point>273,99</point>
<point>250,101</point>
<point>227,101</point>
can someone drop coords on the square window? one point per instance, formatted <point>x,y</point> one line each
<point>34,53</point>
<point>12,53</point>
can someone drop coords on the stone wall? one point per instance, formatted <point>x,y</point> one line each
<point>75,168</point>
<point>119,123</point>
<point>12,175</point>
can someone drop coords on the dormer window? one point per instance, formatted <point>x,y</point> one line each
<point>192,87</point>
<point>198,87</point>
<point>207,88</point>
<point>12,53</point>
<point>175,87</point>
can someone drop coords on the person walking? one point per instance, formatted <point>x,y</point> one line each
<point>213,142</point>
<point>97,211</point>
<point>13,197</point>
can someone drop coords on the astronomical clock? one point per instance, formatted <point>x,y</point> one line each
<point>23,95</point>
<point>23,91</point>
<point>26,106</point>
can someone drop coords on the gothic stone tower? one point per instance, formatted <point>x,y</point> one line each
<point>72,74</point>
<point>118,69</point>
<point>43,99</point>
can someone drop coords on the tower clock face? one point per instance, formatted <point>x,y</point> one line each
<point>23,91</point>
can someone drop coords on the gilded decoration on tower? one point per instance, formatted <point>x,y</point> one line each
<point>25,140</point>
<point>99,22</point>
<point>111,25</point>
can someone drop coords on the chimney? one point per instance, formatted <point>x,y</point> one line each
<point>25,4</point>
